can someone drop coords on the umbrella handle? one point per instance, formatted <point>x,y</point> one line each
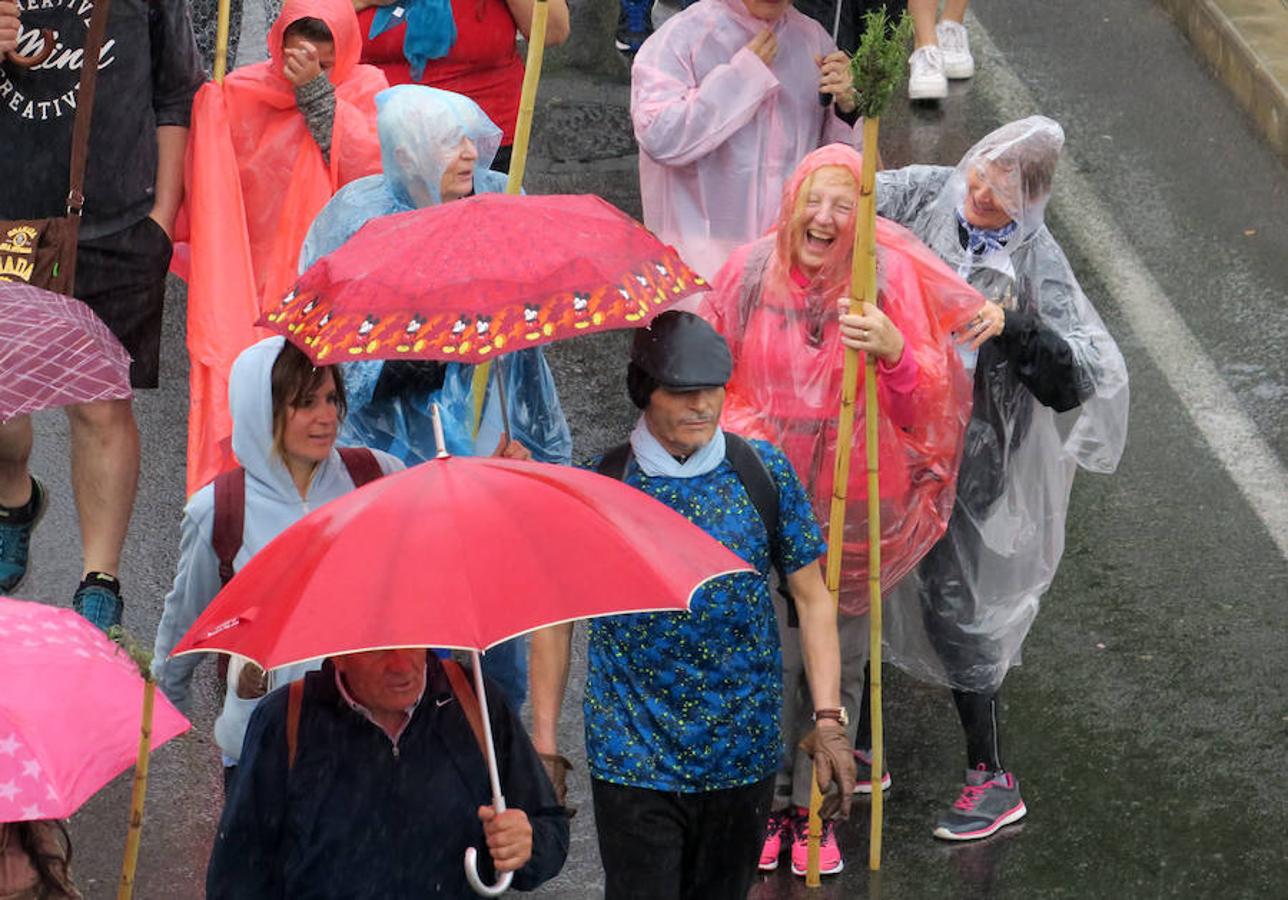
<point>472,876</point>
<point>498,799</point>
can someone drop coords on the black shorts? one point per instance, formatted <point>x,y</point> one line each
<point>121,276</point>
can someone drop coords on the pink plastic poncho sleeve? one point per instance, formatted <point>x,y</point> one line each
<point>719,131</point>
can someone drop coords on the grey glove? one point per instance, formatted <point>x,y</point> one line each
<point>834,767</point>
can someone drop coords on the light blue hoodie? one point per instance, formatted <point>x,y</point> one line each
<point>272,504</point>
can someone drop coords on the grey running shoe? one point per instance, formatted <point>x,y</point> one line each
<point>989,801</point>
<point>15,537</point>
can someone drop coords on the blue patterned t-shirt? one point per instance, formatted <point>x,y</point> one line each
<point>690,701</point>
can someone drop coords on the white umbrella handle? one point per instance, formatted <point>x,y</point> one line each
<point>498,800</point>
<point>472,876</point>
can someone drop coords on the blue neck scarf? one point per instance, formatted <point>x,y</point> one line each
<point>431,30</point>
<point>981,241</point>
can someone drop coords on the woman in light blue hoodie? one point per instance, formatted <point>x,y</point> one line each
<point>286,416</point>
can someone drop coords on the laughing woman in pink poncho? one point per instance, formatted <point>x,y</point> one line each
<point>777,301</point>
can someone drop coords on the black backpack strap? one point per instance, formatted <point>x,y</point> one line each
<point>763,491</point>
<point>759,483</point>
<point>613,463</point>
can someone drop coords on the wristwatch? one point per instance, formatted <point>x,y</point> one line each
<point>836,712</point>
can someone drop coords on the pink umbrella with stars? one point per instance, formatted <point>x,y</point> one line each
<point>71,709</point>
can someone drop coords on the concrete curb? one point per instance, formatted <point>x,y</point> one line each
<point>1246,43</point>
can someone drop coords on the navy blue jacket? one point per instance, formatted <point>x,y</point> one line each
<point>358,817</point>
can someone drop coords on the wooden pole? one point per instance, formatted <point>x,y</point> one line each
<point>863,283</point>
<point>135,833</point>
<point>814,835</point>
<point>518,162</point>
<point>221,40</point>
<point>868,224</point>
<point>528,96</point>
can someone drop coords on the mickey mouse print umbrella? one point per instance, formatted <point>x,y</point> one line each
<point>468,280</point>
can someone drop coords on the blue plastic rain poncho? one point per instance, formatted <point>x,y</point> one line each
<point>421,130</point>
<point>1050,397</point>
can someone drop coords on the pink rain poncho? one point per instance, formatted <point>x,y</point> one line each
<point>255,180</point>
<point>719,131</point>
<point>786,385</point>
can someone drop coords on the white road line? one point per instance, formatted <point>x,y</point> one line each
<point>1089,226</point>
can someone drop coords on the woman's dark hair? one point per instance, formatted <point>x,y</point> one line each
<point>308,28</point>
<point>294,377</point>
<point>51,868</point>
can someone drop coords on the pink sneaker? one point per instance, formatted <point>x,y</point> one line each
<point>779,825</point>
<point>863,780</point>
<point>829,852</point>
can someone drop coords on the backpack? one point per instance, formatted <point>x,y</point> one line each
<point>230,513</point>
<point>462,690</point>
<point>756,480</point>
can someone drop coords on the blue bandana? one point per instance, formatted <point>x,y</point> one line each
<point>431,30</point>
<point>980,241</point>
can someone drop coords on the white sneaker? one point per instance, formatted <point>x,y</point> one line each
<point>955,45</point>
<point>926,78</point>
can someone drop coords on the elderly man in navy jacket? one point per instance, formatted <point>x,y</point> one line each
<point>381,790</point>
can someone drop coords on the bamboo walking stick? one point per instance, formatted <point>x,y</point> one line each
<point>528,95</point>
<point>863,282</point>
<point>135,834</point>
<point>518,164</point>
<point>221,40</point>
<point>878,65</point>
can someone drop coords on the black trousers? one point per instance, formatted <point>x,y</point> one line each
<point>664,845</point>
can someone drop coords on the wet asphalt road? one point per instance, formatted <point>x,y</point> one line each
<point>1149,721</point>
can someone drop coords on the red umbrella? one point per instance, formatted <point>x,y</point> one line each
<point>466,280</point>
<point>54,351</point>
<point>459,552</point>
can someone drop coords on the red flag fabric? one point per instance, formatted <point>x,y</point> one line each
<point>255,180</point>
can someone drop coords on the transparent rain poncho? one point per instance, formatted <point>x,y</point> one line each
<point>1050,397</point>
<point>719,131</point>
<point>421,130</point>
<point>786,384</point>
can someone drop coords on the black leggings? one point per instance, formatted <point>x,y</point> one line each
<point>979,714</point>
<point>665,845</point>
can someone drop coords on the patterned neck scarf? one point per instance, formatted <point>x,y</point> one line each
<point>980,241</point>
